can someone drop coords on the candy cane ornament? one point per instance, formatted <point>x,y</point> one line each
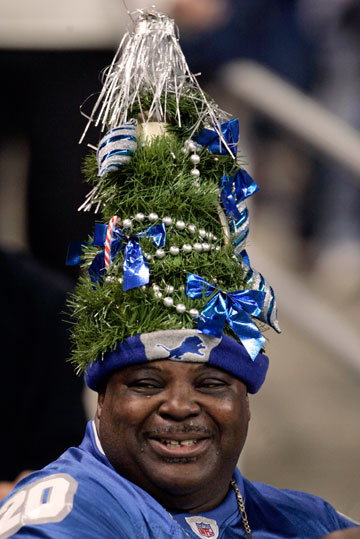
<point>109,236</point>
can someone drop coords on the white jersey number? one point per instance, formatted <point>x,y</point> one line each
<point>49,499</point>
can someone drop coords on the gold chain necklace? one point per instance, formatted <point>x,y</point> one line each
<point>241,506</point>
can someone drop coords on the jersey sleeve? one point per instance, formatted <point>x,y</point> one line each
<point>58,507</point>
<point>69,506</point>
<point>345,521</point>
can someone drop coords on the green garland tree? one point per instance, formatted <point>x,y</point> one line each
<point>176,206</point>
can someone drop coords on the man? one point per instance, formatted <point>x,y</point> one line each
<point>159,460</point>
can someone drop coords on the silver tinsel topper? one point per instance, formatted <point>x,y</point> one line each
<point>149,61</point>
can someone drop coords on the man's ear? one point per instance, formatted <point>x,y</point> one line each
<point>100,402</point>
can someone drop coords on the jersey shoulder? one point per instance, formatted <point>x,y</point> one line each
<point>80,496</point>
<point>301,508</point>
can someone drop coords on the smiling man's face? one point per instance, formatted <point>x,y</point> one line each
<point>175,429</point>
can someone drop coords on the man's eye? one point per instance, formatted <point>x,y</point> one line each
<point>145,384</point>
<point>212,384</point>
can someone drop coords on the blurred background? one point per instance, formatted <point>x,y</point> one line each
<point>290,71</point>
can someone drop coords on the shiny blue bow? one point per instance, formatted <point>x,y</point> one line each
<point>233,308</point>
<point>211,138</point>
<point>136,271</point>
<point>235,189</point>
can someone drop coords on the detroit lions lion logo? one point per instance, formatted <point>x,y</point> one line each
<point>178,345</point>
<point>191,345</point>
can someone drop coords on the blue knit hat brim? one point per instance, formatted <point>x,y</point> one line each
<point>181,345</point>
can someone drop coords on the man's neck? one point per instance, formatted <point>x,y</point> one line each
<point>194,502</point>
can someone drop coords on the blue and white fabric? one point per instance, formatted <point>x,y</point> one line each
<point>80,495</point>
<point>181,345</point>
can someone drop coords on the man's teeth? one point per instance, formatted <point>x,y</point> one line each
<point>178,442</point>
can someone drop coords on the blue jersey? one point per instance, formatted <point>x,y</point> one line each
<point>80,495</point>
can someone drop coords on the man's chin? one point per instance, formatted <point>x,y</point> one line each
<point>182,476</point>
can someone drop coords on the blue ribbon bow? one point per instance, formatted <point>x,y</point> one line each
<point>136,270</point>
<point>211,138</point>
<point>233,308</point>
<point>235,189</point>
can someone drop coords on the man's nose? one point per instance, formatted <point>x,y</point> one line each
<point>179,403</point>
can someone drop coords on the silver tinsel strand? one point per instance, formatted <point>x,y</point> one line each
<point>150,60</point>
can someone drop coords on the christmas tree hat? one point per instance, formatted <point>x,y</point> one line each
<point>166,274</point>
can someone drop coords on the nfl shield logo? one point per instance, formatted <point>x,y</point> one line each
<point>203,526</point>
<point>205,529</point>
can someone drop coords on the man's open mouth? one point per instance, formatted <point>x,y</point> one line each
<point>177,447</point>
<point>186,443</point>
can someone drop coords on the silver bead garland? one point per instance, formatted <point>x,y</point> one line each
<point>195,159</point>
<point>127,223</point>
<point>174,250</point>
<point>167,221</point>
<point>181,226</point>
<point>168,301</point>
<point>159,253</point>
<point>191,146</point>
<point>153,217</point>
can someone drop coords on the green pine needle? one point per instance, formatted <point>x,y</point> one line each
<point>157,180</point>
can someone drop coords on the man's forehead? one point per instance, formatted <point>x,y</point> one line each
<point>162,366</point>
